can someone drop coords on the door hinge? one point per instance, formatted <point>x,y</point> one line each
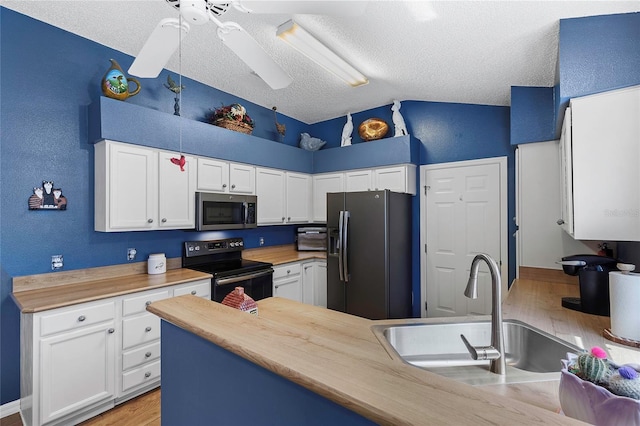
<point>426,188</point>
<point>425,306</point>
<point>425,248</point>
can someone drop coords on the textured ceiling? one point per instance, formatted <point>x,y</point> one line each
<point>444,51</point>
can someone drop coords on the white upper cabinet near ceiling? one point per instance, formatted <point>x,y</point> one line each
<point>283,197</point>
<point>322,185</point>
<point>138,188</point>
<point>222,176</point>
<point>604,159</point>
<point>358,180</point>
<point>398,178</point>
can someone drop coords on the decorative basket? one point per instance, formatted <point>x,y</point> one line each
<point>236,126</point>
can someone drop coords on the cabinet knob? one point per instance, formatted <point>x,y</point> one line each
<point>82,318</point>
<point>289,219</point>
<point>283,218</point>
<point>147,375</point>
<point>147,355</point>
<point>147,303</point>
<point>560,222</point>
<point>149,220</point>
<point>224,185</point>
<point>288,271</point>
<point>194,292</point>
<point>276,287</point>
<point>164,220</point>
<point>233,186</point>
<point>148,329</point>
<point>111,330</point>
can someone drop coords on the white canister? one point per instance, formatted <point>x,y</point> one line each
<point>157,264</point>
<point>624,293</point>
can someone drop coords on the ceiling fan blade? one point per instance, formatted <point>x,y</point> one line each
<point>310,7</point>
<point>161,44</point>
<point>247,49</point>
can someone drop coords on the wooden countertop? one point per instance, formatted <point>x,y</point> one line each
<point>337,356</point>
<point>87,290</point>
<point>278,255</point>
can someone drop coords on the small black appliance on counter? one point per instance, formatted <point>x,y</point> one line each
<point>593,277</point>
<point>311,238</point>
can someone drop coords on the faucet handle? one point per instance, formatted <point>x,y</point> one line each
<point>481,352</point>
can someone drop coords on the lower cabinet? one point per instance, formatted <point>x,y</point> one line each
<point>81,360</point>
<point>304,282</point>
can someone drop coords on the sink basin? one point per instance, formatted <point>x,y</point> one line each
<point>531,354</point>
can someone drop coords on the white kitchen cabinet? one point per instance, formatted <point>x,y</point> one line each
<point>138,189</point>
<point>283,197</point>
<point>602,151</point>
<point>270,189</point>
<point>298,197</point>
<point>225,177</point>
<point>287,281</point>
<point>358,180</point>
<point>314,282</point>
<point>322,185</point>
<point>73,350</point>
<point>81,360</point>
<point>397,178</point>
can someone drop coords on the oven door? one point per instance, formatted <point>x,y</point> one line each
<point>258,285</point>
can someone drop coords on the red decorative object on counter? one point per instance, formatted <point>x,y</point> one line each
<point>239,300</point>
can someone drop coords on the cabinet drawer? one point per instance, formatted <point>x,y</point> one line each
<point>135,304</point>
<point>287,270</point>
<point>144,375</point>
<point>138,330</point>
<point>201,289</point>
<point>78,317</point>
<point>136,357</point>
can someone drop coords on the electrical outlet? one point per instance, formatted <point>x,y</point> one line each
<point>131,254</point>
<point>261,241</point>
<point>57,262</point>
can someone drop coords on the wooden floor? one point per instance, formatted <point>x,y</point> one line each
<point>141,411</point>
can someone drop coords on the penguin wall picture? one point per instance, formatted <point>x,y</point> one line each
<point>47,198</point>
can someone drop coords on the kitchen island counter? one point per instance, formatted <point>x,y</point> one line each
<point>337,358</point>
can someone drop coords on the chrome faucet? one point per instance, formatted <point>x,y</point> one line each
<point>495,352</point>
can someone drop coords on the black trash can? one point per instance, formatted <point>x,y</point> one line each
<point>593,277</point>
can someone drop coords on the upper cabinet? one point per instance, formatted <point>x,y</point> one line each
<point>224,177</point>
<point>139,188</point>
<point>600,149</point>
<point>283,197</point>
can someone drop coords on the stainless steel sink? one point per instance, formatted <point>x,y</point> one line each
<point>531,354</point>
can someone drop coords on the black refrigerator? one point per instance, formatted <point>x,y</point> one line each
<point>369,254</point>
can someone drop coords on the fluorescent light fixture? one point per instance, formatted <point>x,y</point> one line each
<point>300,39</point>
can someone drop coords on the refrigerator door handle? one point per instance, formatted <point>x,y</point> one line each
<point>344,247</point>
<point>340,233</point>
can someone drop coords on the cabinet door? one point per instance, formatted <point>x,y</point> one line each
<point>213,175</point>
<point>77,370</point>
<point>289,288</point>
<point>397,178</point>
<point>270,189</point>
<point>131,188</point>
<point>298,197</point>
<point>308,283</point>
<point>320,284</point>
<point>323,184</point>
<point>566,178</point>
<point>358,180</point>
<point>176,196</point>
<point>242,179</point>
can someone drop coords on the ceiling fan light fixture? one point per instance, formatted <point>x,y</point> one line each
<point>194,11</point>
<point>308,45</point>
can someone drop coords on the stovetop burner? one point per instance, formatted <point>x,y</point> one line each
<point>222,258</point>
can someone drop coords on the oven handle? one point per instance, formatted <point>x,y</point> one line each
<point>239,278</point>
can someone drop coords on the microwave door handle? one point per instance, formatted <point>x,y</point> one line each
<point>345,246</point>
<point>340,266</point>
<point>245,212</point>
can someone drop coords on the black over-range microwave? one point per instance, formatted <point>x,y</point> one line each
<point>225,211</point>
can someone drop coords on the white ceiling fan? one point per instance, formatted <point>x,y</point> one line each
<point>165,38</point>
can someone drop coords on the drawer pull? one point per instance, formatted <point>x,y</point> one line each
<point>147,375</point>
<point>111,330</point>
<point>147,303</point>
<point>193,292</point>
<point>288,271</point>
<point>147,355</point>
<point>148,329</point>
<point>82,318</point>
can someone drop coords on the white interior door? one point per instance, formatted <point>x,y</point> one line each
<point>463,213</point>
